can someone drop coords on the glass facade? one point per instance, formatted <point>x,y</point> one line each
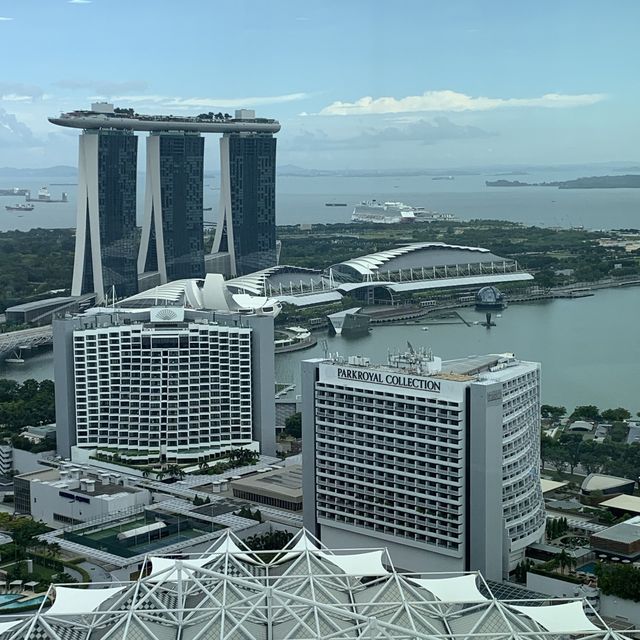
<point>252,167</point>
<point>117,167</point>
<point>181,175</point>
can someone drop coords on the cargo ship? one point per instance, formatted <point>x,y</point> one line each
<point>14,192</point>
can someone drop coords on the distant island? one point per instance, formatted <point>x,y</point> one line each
<point>594,182</point>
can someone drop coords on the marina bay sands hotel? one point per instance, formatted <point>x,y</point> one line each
<point>108,253</point>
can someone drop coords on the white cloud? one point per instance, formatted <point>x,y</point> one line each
<point>5,19</point>
<point>451,101</point>
<point>190,103</point>
<point>80,1</point>
<point>18,92</point>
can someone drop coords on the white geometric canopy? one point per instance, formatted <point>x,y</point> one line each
<point>304,592</point>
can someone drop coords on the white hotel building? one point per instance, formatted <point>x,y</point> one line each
<point>437,461</point>
<point>164,383</point>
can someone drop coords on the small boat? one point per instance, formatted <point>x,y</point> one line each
<point>14,360</point>
<point>335,204</point>
<point>19,207</point>
<point>425,328</point>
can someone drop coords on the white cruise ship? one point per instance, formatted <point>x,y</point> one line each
<point>395,212</point>
<point>383,212</point>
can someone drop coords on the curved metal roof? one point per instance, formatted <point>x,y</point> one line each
<point>369,264</point>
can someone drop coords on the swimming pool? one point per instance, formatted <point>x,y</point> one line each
<point>5,598</point>
<point>32,602</point>
<point>590,567</point>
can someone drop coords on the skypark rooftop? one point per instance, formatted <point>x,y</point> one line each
<point>105,116</point>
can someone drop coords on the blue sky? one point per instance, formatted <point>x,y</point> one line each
<point>355,83</point>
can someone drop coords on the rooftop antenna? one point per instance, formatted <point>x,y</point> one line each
<point>412,351</point>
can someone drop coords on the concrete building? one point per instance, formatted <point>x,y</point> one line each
<point>71,495</point>
<point>164,383</point>
<point>106,235</point>
<point>621,541</point>
<point>280,488</point>
<point>172,240</point>
<point>437,461</point>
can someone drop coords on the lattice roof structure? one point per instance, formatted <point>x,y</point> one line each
<point>302,592</point>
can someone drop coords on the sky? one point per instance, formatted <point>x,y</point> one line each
<point>356,84</point>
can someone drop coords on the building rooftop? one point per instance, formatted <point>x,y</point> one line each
<point>302,592</point>
<point>551,485</point>
<point>286,482</point>
<point>600,482</point>
<point>623,502</point>
<point>38,304</point>
<point>105,116</point>
<point>626,532</point>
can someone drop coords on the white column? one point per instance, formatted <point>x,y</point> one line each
<point>152,216</point>
<point>225,217</point>
<point>88,213</point>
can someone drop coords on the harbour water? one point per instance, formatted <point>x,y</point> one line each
<point>589,347</point>
<point>302,200</point>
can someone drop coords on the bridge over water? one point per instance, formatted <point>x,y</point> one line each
<point>13,342</point>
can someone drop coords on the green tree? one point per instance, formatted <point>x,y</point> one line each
<point>293,425</point>
<point>551,412</point>
<point>616,415</point>
<point>571,444</point>
<point>585,412</point>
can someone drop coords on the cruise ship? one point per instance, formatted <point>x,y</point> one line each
<point>395,212</point>
<point>383,212</point>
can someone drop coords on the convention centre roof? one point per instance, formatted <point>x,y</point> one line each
<point>419,266</point>
<point>418,255</point>
<point>304,591</point>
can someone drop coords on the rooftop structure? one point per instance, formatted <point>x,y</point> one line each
<point>276,487</point>
<point>620,540</point>
<point>105,116</point>
<point>304,592</point>
<point>623,503</point>
<point>609,485</point>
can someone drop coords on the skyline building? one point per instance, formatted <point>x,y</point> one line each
<point>106,234</point>
<point>172,243</point>
<point>164,383</point>
<point>172,240</point>
<point>437,461</point>
<point>246,225</point>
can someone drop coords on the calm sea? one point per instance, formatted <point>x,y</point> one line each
<point>589,347</point>
<point>302,200</point>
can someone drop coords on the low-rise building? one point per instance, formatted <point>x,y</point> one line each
<point>277,487</point>
<point>621,540</point>
<point>72,495</point>
<point>606,485</point>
